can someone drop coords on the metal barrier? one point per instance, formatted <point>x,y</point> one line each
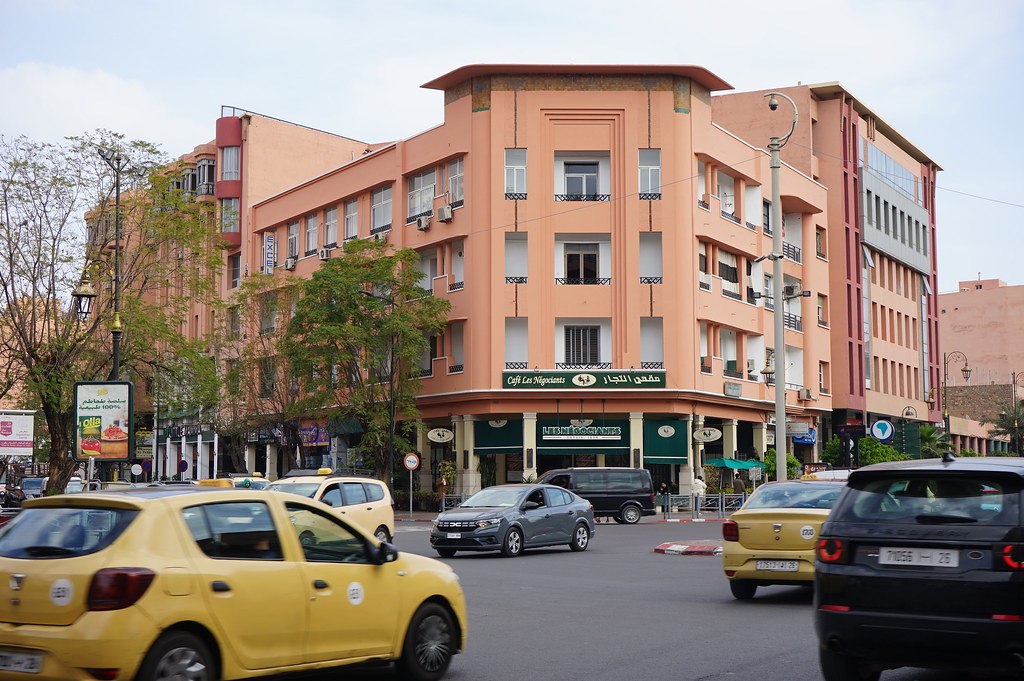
<point>451,501</point>
<point>715,505</point>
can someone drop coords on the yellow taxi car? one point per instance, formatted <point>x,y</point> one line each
<point>170,582</point>
<point>363,500</point>
<point>771,538</point>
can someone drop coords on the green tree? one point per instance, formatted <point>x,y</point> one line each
<point>47,249</point>
<point>872,451</point>
<point>792,466</point>
<point>1009,422</point>
<point>832,450</point>
<point>362,336</point>
<point>934,443</point>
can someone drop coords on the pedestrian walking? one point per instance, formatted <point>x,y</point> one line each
<point>738,487</point>
<point>698,488</point>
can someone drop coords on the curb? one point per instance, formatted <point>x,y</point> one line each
<point>687,550</point>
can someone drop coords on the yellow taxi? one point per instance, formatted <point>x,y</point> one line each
<point>366,501</point>
<point>771,538</point>
<point>169,582</point>
<point>215,482</point>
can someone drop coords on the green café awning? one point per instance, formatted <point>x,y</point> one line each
<point>343,426</point>
<point>737,464</point>
<point>666,441</point>
<point>498,436</point>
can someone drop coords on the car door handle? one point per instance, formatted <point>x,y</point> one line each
<point>220,586</point>
<point>319,584</point>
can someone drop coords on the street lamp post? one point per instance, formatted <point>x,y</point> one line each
<point>118,164</point>
<point>966,371</point>
<point>774,146</point>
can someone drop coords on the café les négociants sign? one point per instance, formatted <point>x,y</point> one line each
<point>533,380</point>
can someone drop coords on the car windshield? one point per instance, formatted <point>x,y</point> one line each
<point>494,496</point>
<point>74,487</point>
<point>932,499</point>
<point>58,532</point>
<point>303,489</point>
<point>255,483</point>
<point>795,495</point>
<point>32,484</point>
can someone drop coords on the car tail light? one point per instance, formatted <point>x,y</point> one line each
<point>1008,618</point>
<point>832,551</point>
<point>730,531</point>
<point>116,588</point>
<point>1010,557</point>
<point>835,608</point>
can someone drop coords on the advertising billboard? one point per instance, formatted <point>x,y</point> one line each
<point>16,434</point>
<point>104,420</point>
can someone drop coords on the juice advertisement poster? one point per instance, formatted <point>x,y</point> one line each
<point>104,417</point>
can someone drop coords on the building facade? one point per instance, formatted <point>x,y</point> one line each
<point>599,238</point>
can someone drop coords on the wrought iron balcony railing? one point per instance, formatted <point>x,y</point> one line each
<point>455,369</point>
<point>583,365</point>
<point>703,204</point>
<point>792,252</point>
<point>792,321</point>
<point>515,196</point>
<point>515,280</point>
<point>650,196</point>
<point>456,286</point>
<point>583,197</point>
<point>731,216</point>
<point>422,214</point>
<point>583,281</point>
<point>735,295</point>
<point>381,228</point>
<point>650,280</point>
<point>517,366</point>
<point>652,365</point>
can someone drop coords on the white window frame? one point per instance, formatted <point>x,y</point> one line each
<point>229,215</point>
<point>380,209</point>
<point>312,233</point>
<point>515,171</point>
<point>650,171</point>
<point>230,163</point>
<point>456,187</point>
<point>330,226</point>
<point>421,193</point>
<point>351,219</point>
<point>293,239</point>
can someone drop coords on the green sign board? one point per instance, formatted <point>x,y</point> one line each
<point>629,379</point>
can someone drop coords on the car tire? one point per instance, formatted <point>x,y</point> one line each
<point>512,545</point>
<point>382,534</point>
<point>178,655</point>
<point>838,667</point>
<point>743,589</point>
<point>619,520</point>
<point>445,553</point>
<point>580,537</point>
<point>631,514</point>
<point>429,644</point>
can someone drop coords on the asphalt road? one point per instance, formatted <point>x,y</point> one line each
<point>621,612</point>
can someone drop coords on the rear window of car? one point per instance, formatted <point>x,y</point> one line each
<point>58,532</point>
<point>795,495</point>
<point>239,529</point>
<point>932,499</point>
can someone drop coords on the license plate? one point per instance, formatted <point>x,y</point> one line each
<point>21,662</point>
<point>925,557</point>
<point>778,565</point>
<point>455,535</point>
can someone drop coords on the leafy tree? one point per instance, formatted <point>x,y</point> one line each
<point>361,336</point>
<point>47,248</point>
<point>832,451</point>
<point>792,465</point>
<point>1009,422</point>
<point>872,451</point>
<point>933,442</point>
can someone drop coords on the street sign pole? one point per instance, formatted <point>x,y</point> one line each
<point>412,462</point>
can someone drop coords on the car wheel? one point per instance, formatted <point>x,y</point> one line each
<point>429,644</point>
<point>446,553</point>
<point>177,656</point>
<point>382,534</point>
<point>631,514</point>
<point>743,589</point>
<point>580,537</point>
<point>513,544</point>
<point>838,667</point>
<point>619,520</point>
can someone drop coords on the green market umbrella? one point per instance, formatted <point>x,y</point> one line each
<point>737,464</point>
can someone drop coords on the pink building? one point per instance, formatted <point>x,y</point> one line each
<point>597,234</point>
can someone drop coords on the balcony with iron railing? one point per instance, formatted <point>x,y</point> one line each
<point>732,217</point>
<point>650,280</point>
<point>515,196</point>
<point>456,286</point>
<point>455,369</point>
<point>792,321</point>
<point>650,196</point>
<point>380,228</point>
<point>515,280</point>
<point>792,252</point>
<point>576,366</point>
<point>728,293</point>
<point>652,365</point>
<point>583,197</point>
<point>583,281</point>
<point>517,366</point>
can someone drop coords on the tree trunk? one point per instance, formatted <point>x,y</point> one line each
<point>62,463</point>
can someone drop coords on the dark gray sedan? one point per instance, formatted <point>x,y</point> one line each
<point>510,518</point>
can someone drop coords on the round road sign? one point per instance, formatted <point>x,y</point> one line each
<point>136,469</point>
<point>411,461</point>
<point>182,465</point>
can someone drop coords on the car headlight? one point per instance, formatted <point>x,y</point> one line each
<point>488,522</point>
<point>433,524</point>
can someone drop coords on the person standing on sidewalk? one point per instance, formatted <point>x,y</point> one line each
<point>738,487</point>
<point>698,488</point>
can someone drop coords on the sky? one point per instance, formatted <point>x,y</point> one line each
<point>948,75</point>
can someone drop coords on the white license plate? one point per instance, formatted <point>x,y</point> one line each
<point>778,565</point>
<point>455,535</point>
<point>21,662</point>
<point>928,557</point>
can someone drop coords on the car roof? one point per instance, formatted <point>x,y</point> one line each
<point>140,495</point>
<point>991,464</point>
<point>323,478</point>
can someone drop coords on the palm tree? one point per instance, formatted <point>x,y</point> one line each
<point>1009,422</point>
<point>933,443</point>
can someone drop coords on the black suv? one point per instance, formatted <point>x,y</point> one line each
<point>625,494</point>
<point>921,564</point>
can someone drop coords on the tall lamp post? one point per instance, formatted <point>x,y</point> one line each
<point>966,371</point>
<point>774,146</point>
<point>391,392</point>
<point>118,164</point>
<point>1015,380</point>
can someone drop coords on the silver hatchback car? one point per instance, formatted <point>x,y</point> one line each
<point>510,518</point>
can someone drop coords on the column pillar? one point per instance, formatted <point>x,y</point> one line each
<point>530,445</point>
<point>469,477</point>
<point>760,439</point>
<point>636,438</point>
<point>271,461</point>
<point>203,458</point>
<point>250,457</point>
<point>729,439</point>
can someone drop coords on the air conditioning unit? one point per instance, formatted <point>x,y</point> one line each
<point>289,263</point>
<point>751,365</point>
<point>444,213</point>
<point>423,224</point>
<point>805,394</point>
<point>791,291</point>
<point>324,253</point>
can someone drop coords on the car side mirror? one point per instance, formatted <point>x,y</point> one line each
<point>386,553</point>
<point>529,505</point>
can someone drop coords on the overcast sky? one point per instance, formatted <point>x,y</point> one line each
<point>946,74</point>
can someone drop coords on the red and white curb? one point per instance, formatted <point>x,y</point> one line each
<point>688,550</point>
